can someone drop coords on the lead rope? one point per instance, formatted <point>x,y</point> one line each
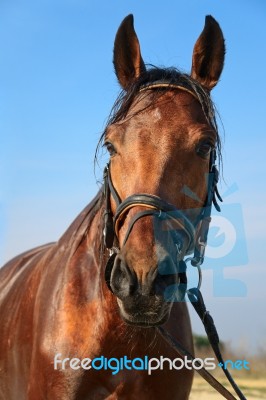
<point>197,302</point>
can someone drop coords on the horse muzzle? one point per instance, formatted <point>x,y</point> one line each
<point>146,302</point>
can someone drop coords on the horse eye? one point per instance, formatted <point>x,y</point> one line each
<point>204,149</point>
<point>110,148</point>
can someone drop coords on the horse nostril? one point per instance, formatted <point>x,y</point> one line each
<point>123,281</point>
<point>167,266</point>
<point>162,282</point>
<point>167,276</point>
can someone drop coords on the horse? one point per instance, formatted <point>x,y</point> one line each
<point>101,291</point>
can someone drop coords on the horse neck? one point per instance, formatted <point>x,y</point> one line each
<point>79,252</point>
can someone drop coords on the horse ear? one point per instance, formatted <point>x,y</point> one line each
<point>208,54</point>
<point>128,62</point>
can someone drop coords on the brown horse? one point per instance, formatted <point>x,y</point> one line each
<point>56,308</point>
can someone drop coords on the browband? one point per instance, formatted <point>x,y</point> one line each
<point>164,85</point>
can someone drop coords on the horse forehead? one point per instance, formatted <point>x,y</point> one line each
<point>158,119</point>
<point>171,109</point>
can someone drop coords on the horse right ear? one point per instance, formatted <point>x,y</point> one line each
<point>127,60</point>
<point>208,54</point>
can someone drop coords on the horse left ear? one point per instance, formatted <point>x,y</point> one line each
<point>128,62</point>
<point>208,54</point>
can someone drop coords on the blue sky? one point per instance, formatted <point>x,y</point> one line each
<point>57,88</point>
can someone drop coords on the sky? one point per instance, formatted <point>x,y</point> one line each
<point>57,88</point>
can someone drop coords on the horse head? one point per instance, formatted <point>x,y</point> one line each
<point>161,138</point>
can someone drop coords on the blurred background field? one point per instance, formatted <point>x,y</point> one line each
<point>253,389</point>
<point>252,382</point>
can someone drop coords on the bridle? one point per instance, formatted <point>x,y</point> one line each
<point>196,233</point>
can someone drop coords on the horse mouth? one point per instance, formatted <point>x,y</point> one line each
<point>144,318</point>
